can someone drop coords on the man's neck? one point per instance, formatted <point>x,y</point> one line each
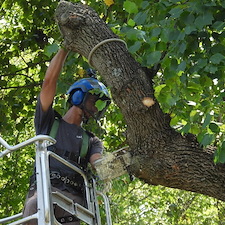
<point>73,116</point>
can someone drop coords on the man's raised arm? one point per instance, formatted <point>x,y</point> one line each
<point>48,90</point>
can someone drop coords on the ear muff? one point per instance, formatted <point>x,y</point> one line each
<point>77,97</point>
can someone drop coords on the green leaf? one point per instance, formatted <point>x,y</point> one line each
<point>174,35</point>
<point>158,89</point>
<point>165,34</point>
<point>176,12</point>
<point>205,81</point>
<point>203,20</point>
<point>131,22</point>
<point>207,139</point>
<point>144,4</point>
<point>202,63</point>
<point>207,120</point>
<point>174,121</point>
<point>195,129</point>
<point>100,104</point>
<point>153,57</point>
<point>140,18</point>
<point>223,146</point>
<point>186,128</point>
<point>192,86</point>
<point>189,29</point>
<point>217,58</point>
<point>214,128</point>
<point>188,19</point>
<point>194,115</point>
<point>50,49</point>
<point>218,25</point>
<point>210,68</point>
<point>181,66</point>
<point>130,7</point>
<point>96,91</point>
<point>182,47</point>
<point>133,34</point>
<point>170,99</point>
<point>220,153</point>
<point>134,48</point>
<point>156,31</point>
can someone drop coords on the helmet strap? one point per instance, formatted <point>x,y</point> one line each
<point>84,118</point>
<point>84,109</point>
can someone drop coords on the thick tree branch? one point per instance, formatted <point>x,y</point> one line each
<point>160,155</point>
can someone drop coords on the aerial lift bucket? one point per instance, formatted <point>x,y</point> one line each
<point>46,198</point>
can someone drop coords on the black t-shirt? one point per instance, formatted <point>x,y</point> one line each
<point>68,137</point>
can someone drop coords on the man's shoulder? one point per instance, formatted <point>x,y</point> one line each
<point>90,134</point>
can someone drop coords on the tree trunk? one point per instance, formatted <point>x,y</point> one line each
<point>160,155</point>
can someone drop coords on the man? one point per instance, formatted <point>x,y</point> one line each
<point>83,96</point>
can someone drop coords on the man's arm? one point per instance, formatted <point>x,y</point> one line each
<point>94,158</point>
<point>50,81</point>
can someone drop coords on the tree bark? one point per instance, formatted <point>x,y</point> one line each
<point>160,155</point>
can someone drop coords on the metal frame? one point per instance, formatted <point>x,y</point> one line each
<point>46,198</point>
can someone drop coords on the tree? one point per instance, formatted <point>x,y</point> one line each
<point>160,155</point>
<point>170,95</point>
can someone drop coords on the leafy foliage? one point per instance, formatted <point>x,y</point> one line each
<point>186,40</point>
<point>137,203</point>
<point>181,41</point>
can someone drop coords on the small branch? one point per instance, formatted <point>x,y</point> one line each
<point>24,60</point>
<point>186,207</point>
<point>29,66</point>
<point>107,13</point>
<point>25,86</point>
<point>20,74</point>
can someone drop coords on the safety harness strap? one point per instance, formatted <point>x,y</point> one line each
<point>85,138</point>
<point>54,128</point>
<point>85,143</point>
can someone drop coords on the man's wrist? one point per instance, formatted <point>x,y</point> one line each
<point>62,46</point>
<point>64,51</point>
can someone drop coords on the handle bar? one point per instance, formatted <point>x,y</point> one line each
<point>10,148</point>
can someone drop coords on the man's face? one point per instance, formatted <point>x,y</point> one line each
<point>90,109</point>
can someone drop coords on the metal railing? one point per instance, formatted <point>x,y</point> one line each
<point>46,198</point>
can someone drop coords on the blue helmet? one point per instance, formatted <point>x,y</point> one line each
<point>81,88</point>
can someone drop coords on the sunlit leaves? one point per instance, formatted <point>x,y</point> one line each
<point>138,203</point>
<point>189,41</point>
<point>109,2</point>
<point>220,154</point>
